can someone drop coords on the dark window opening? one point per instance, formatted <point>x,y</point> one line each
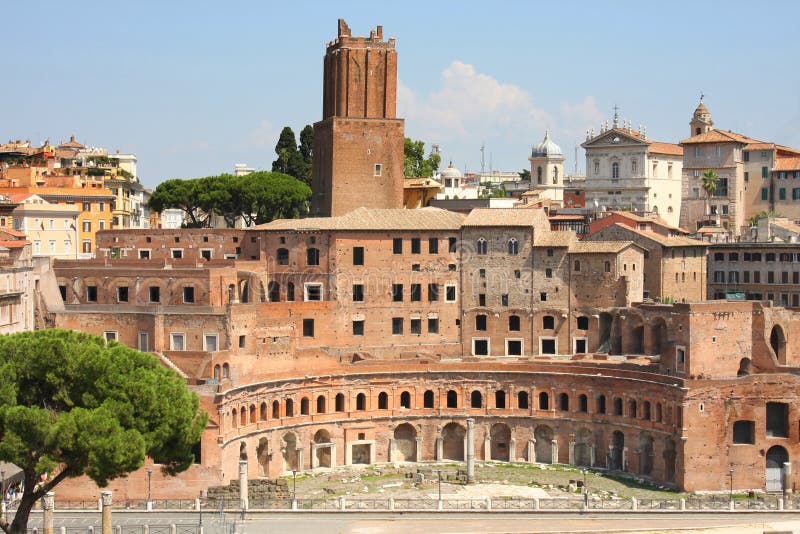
<point>744,432</point>
<point>480,322</point>
<point>383,401</point>
<point>358,255</point>
<point>476,400</point>
<point>544,401</point>
<point>308,327</point>
<point>500,399</point>
<point>563,402</point>
<point>397,245</point>
<point>522,400</point>
<point>452,399</point>
<point>777,420</point>
<point>427,399</point>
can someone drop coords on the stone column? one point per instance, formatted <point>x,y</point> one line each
<point>418,451</point>
<point>106,514</point>
<point>512,450</point>
<point>243,497</point>
<point>625,458</point>
<point>221,414</point>
<point>787,485</point>
<point>439,449</point>
<point>300,460</point>
<point>47,511</point>
<point>470,451</point>
<point>391,449</point>
<point>593,455</point>
<point>571,459</point>
<point>532,451</point>
<point>554,451</point>
<point>333,455</point>
<point>487,448</point>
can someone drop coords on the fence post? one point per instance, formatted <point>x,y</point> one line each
<point>391,503</point>
<point>294,504</point>
<point>439,505</point>
<point>488,503</point>
<point>683,505</point>
<point>63,530</point>
<point>536,503</point>
<point>634,503</point>
<point>780,503</point>
<point>342,505</point>
<point>118,529</point>
<point>731,506</point>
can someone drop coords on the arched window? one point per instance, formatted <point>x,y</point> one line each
<point>601,404</point>
<point>481,248</point>
<point>304,406</point>
<point>340,402</point>
<point>321,402</point>
<point>513,323</point>
<point>538,175</point>
<point>583,403</point>
<point>583,323</point>
<point>289,408</point>
<point>548,322</point>
<point>476,400</point>
<point>312,256</point>
<point>522,400</point>
<point>615,170</point>
<point>226,370</point>
<point>452,399</point>
<point>283,256</point>
<point>617,406</point>
<point>563,402</point>
<point>263,412</point>
<point>632,409</point>
<point>427,399</point>
<point>544,401</point>
<point>659,414</point>
<point>555,175</point>
<point>216,372</point>
<point>576,266</point>
<point>500,399</point>
<point>383,401</point>
<point>276,410</point>
<point>361,402</point>
<point>607,266</point>
<point>290,292</point>
<point>405,400</point>
<point>252,418</point>
<point>234,419</point>
<point>646,408</point>
<point>513,246</point>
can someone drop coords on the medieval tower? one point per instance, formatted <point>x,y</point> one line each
<point>358,144</point>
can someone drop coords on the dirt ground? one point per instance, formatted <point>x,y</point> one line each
<point>401,481</point>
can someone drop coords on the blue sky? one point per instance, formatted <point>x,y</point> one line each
<point>193,87</point>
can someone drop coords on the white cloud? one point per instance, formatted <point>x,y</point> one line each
<point>265,135</point>
<point>469,107</point>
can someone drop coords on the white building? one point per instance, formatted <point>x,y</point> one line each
<point>454,185</point>
<point>626,170</point>
<point>547,169</point>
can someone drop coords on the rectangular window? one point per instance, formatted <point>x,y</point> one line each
<point>87,226</point>
<point>504,300</point>
<point>513,347</point>
<point>397,326</point>
<point>765,172</point>
<point>397,245</point>
<point>433,245</point>
<point>782,193</point>
<point>358,255</point>
<point>680,358</point>
<point>155,294</point>
<point>416,292</point>
<point>242,341</point>
<point>480,346</point>
<point>308,327</point>
<point>378,169</point>
<point>397,292</point>
<point>696,151</point>
<point>449,293</point>
<point>312,292</point>
<point>482,299</point>
<point>144,254</point>
<point>796,193</point>
<point>210,342</point>
<point>451,244</point>
<point>91,293</point>
<point>416,245</point>
<point>433,292</point>
<point>177,253</point>
<point>480,323</point>
<point>188,294</point>
<point>756,277</point>
<point>744,432</point>
<point>746,155</point>
<point>764,193</point>
<point>177,341</point>
<point>416,326</point>
<point>746,176</point>
<point>433,326</point>
<point>770,277</point>
<point>777,420</point>
<point>122,294</point>
<point>358,293</point>
<point>358,327</point>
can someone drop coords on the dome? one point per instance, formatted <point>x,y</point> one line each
<point>546,148</point>
<point>451,172</point>
<point>701,109</point>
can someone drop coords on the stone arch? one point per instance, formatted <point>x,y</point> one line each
<point>744,367</point>
<point>615,460</point>
<point>262,456</point>
<point>274,291</point>
<point>405,400</point>
<point>453,435</point>
<point>383,400</point>
<point>361,402</point>
<point>252,414</point>
<point>583,447</point>
<point>276,409</point>
<point>289,451</point>
<point>544,401</point>
<point>500,399</point>
<point>646,454</point>
<point>500,435</point>
<point>242,451</point>
<point>244,291</point>
<point>243,416</point>
<point>670,454</point>
<point>428,399</point>
<point>405,443</point>
<point>476,399</point>
<point>217,370</point>
<point>522,400</point>
<point>635,334</point>
<point>658,336</point>
<point>659,414</point>
<point>226,370</point>
<point>262,412</point>
<point>289,408</point>
<point>777,340</point>
<point>563,402</point>
<point>321,403</point>
<point>234,418</point>
<point>544,435</point>
<point>452,399</point>
<point>606,322</point>
<point>304,406</point>
<point>322,436</point>
<point>339,402</point>
<point>776,457</point>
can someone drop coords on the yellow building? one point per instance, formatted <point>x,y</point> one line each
<point>52,229</point>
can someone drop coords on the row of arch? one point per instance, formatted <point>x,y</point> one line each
<point>474,399</point>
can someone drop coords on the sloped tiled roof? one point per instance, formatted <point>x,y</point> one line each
<point>599,247</point>
<point>786,225</point>
<point>674,241</point>
<point>374,219</point>
<point>507,217</point>
<point>671,149</point>
<point>554,239</point>
<point>718,136</point>
<point>787,164</point>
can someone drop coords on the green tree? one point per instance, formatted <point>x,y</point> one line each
<point>73,404</point>
<point>306,150</point>
<point>415,164</point>
<point>183,195</point>
<point>525,175</point>
<point>292,160</point>
<point>710,180</point>
<point>267,196</point>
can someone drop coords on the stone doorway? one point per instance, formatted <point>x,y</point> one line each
<point>453,442</point>
<point>500,436</point>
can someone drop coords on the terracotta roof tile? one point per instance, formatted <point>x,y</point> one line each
<point>787,164</point>
<point>507,217</point>
<point>674,241</point>
<point>671,149</point>
<point>718,136</point>
<point>554,239</point>
<point>599,247</point>
<point>374,219</point>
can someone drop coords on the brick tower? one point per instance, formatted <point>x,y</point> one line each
<point>358,144</point>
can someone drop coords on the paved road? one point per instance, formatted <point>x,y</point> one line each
<point>450,523</point>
